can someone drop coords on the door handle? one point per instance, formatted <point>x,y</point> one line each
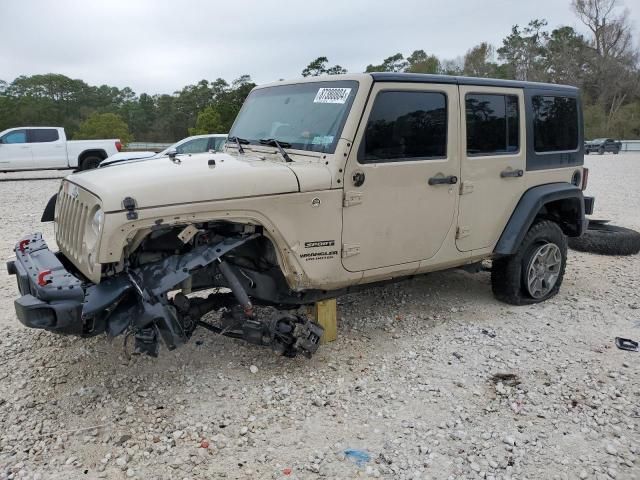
<point>450,180</point>
<point>511,173</point>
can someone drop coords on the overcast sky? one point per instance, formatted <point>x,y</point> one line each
<point>159,46</point>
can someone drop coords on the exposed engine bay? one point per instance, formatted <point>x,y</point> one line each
<point>151,295</point>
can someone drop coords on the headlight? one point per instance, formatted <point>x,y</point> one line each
<point>93,230</point>
<point>96,222</point>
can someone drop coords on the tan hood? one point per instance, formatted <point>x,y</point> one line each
<point>160,181</point>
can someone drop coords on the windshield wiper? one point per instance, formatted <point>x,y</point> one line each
<point>279,145</point>
<point>238,141</point>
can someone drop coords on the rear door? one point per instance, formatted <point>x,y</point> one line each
<point>401,176</point>
<point>15,152</point>
<point>493,163</point>
<point>48,149</point>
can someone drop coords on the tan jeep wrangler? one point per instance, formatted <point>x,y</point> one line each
<point>326,185</point>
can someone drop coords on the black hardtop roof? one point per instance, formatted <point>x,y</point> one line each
<point>452,79</point>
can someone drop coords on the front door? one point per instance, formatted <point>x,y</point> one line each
<point>15,152</point>
<point>493,163</point>
<point>401,176</point>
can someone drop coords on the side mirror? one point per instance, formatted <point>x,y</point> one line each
<point>172,153</point>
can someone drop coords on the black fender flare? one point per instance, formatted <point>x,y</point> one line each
<point>49,210</point>
<point>530,205</point>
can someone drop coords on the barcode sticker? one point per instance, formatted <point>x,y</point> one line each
<point>332,95</point>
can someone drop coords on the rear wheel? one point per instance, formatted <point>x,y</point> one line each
<point>90,163</point>
<point>535,273</point>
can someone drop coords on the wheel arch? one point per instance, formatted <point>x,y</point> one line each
<point>129,236</point>
<point>96,152</point>
<point>559,202</point>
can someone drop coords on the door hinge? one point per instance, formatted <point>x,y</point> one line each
<point>350,250</point>
<point>351,198</point>
<point>466,187</point>
<point>463,232</point>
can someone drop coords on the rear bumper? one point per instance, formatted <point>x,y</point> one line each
<point>52,297</point>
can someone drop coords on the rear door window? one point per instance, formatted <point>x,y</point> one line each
<point>43,135</point>
<point>493,124</point>
<point>405,126</point>
<point>555,123</point>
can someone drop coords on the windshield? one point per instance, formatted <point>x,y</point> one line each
<point>307,116</point>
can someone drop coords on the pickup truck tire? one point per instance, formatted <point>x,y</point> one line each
<point>605,239</point>
<point>534,274</point>
<point>90,163</point>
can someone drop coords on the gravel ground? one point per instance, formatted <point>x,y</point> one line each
<point>432,378</point>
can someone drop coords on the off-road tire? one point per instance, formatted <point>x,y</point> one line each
<point>508,274</point>
<point>605,239</point>
<point>90,163</point>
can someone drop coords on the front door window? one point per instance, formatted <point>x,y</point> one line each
<point>17,136</point>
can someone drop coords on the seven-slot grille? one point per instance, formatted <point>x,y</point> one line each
<point>71,220</point>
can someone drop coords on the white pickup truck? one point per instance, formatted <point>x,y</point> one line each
<point>47,148</point>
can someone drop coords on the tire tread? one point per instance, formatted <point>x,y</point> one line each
<point>506,272</point>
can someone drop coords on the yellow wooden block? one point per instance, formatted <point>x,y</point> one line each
<point>325,313</point>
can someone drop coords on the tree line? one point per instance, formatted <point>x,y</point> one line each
<point>603,61</point>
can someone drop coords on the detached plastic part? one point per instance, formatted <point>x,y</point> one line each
<point>627,344</point>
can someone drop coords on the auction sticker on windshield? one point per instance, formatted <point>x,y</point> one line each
<point>332,95</point>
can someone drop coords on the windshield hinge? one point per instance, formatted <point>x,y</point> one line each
<point>350,250</point>
<point>352,198</point>
<point>129,205</point>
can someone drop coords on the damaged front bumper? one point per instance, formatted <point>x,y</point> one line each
<point>52,298</point>
<point>136,301</point>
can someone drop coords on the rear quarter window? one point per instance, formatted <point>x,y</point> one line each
<point>555,123</point>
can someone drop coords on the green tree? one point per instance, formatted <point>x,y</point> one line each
<point>319,67</point>
<point>566,57</point>
<point>614,78</point>
<point>420,62</point>
<point>479,61</point>
<point>229,99</point>
<point>523,51</point>
<point>104,125</point>
<point>394,63</point>
<point>208,122</point>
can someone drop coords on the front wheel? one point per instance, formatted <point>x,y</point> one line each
<point>534,274</point>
